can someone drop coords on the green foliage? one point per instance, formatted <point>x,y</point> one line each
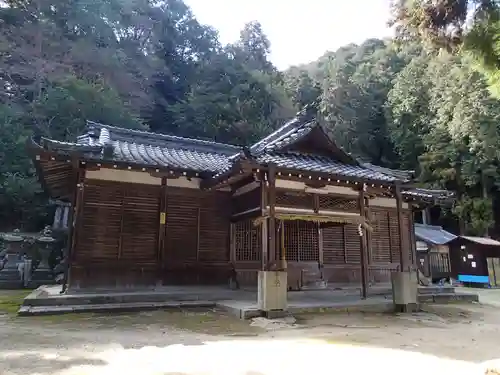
<point>145,64</point>
<point>477,212</point>
<point>471,25</point>
<point>19,190</point>
<point>64,106</point>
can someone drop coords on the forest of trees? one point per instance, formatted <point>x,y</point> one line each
<point>148,64</point>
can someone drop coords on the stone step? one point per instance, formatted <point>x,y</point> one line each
<point>436,289</point>
<point>111,307</point>
<point>448,297</point>
<point>113,298</point>
<point>316,285</point>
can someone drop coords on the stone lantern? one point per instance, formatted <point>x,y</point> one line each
<point>43,273</point>
<point>10,275</point>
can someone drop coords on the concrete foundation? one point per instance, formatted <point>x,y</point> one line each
<point>241,303</point>
<point>272,292</point>
<point>405,291</point>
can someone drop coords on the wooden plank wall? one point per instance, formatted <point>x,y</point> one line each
<point>118,235</point>
<point>341,248</point>
<point>341,252</point>
<point>197,240</point>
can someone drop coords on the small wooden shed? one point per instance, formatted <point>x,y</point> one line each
<point>475,260</point>
<point>433,251</point>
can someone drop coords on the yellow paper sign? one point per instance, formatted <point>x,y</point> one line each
<point>163,218</point>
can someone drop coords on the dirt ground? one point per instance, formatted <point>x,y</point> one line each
<point>452,339</point>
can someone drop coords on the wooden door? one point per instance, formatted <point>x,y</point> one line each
<point>181,235</point>
<point>117,234</point>
<point>301,243</point>
<point>494,271</point>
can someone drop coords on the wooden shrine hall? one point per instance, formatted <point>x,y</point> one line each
<point>153,209</point>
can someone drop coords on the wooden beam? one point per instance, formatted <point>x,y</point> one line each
<point>363,243</point>
<point>272,216</point>
<point>198,233</point>
<point>162,222</point>
<point>369,235</point>
<point>264,242</point>
<point>403,251</point>
<point>76,204</point>
<point>232,243</point>
<point>263,195</point>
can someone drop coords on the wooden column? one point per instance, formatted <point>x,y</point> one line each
<point>403,252</point>
<point>162,231</point>
<point>362,241</point>
<point>264,227</point>
<point>265,242</point>
<point>320,232</point>
<point>232,243</point>
<point>282,245</point>
<point>76,203</point>
<point>369,238</point>
<point>273,259</point>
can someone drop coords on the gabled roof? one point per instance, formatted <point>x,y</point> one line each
<point>104,142</point>
<point>441,197</point>
<point>433,234</point>
<point>314,163</point>
<point>303,125</point>
<point>110,143</point>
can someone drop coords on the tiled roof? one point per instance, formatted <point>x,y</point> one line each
<point>433,234</point>
<point>104,142</point>
<point>430,195</point>
<point>287,134</point>
<point>145,148</point>
<point>397,174</point>
<point>292,160</point>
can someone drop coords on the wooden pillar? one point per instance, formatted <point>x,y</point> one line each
<point>320,232</point>
<point>362,241</point>
<point>369,238</point>
<point>76,203</point>
<point>162,227</point>
<point>263,225</point>
<point>265,242</point>
<point>403,251</point>
<point>272,218</point>
<point>282,246</point>
<point>232,243</point>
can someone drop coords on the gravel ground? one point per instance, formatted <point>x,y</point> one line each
<point>443,339</point>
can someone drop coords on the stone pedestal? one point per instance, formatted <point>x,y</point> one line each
<point>43,273</point>
<point>405,291</point>
<point>10,275</point>
<point>272,292</point>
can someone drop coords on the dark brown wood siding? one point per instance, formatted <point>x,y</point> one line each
<point>247,258</point>
<point>246,201</point>
<point>342,250</point>
<point>116,240</point>
<point>197,237</point>
<point>118,236</point>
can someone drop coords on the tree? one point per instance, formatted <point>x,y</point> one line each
<point>451,24</point>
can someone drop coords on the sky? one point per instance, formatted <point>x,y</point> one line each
<point>300,31</point>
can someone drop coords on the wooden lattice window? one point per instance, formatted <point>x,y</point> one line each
<point>327,202</point>
<point>247,242</point>
<point>334,244</point>
<point>394,233</point>
<point>381,237</point>
<point>301,241</point>
<point>294,199</point>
